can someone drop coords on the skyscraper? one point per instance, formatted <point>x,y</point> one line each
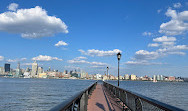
<point>34,69</point>
<point>7,67</point>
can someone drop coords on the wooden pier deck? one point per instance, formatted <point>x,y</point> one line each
<point>102,100</point>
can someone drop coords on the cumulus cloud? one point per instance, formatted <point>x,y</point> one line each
<point>16,60</point>
<point>61,43</point>
<point>45,58</point>
<point>13,7</point>
<point>31,23</point>
<point>1,58</point>
<point>79,60</point>
<point>177,25</point>
<point>177,5</point>
<point>153,45</point>
<point>147,34</point>
<point>142,63</point>
<point>94,52</point>
<point>146,55</point>
<point>164,39</point>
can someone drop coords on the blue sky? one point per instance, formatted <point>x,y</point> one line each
<point>152,35</point>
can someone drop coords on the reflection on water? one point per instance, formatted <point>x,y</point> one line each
<point>173,93</point>
<point>37,94</point>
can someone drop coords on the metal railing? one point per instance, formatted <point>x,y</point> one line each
<point>136,102</point>
<point>78,102</point>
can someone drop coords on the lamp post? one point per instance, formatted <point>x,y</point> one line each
<point>107,73</point>
<point>118,57</point>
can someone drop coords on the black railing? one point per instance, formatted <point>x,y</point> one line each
<point>136,102</point>
<point>76,103</point>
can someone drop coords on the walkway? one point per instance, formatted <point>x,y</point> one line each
<point>101,100</point>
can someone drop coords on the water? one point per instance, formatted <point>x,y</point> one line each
<point>173,93</point>
<point>37,94</point>
<point>43,94</point>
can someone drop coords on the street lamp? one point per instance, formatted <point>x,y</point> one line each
<point>107,73</point>
<point>118,57</point>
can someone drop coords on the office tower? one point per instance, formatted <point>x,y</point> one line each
<point>1,70</point>
<point>18,71</point>
<point>40,70</point>
<point>18,65</point>
<point>7,67</point>
<point>34,69</point>
<point>161,77</point>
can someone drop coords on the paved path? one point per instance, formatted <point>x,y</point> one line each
<point>101,100</point>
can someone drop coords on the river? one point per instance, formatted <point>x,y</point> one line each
<point>42,94</point>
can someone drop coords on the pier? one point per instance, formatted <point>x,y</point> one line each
<point>107,97</point>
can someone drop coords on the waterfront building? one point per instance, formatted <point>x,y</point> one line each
<point>40,70</point>
<point>42,75</point>
<point>18,72</point>
<point>98,76</point>
<point>34,69</point>
<point>158,78</point>
<point>27,69</point>
<point>112,77</point>
<point>133,77</point>
<point>1,70</point>
<point>7,67</point>
<point>27,75</point>
<point>126,76</point>
<point>171,78</point>
<point>83,74</point>
<point>105,77</point>
<point>161,77</point>
<point>121,77</point>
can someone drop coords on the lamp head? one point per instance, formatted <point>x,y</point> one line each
<point>119,56</point>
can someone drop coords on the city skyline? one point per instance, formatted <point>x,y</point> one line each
<point>152,37</point>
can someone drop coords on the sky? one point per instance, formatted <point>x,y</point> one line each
<point>87,35</point>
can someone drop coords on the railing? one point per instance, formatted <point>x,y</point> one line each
<point>78,102</point>
<point>136,102</point>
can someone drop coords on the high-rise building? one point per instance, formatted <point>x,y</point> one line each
<point>34,69</point>
<point>18,65</point>
<point>7,67</point>
<point>161,77</point>
<point>18,71</point>
<point>40,70</point>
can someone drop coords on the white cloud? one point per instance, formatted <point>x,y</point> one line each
<point>146,55</point>
<point>177,25</point>
<point>45,58</point>
<point>173,49</point>
<point>154,45</point>
<point>13,7</point>
<point>81,57</point>
<point>79,60</point>
<point>142,63</point>
<point>147,34</point>
<point>177,5</point>
<point>164,39</point>
<point>61,43</point>
<point>16,60</point>
<point>31,23</point>
<point>94,52</point>
<point>1,58</point>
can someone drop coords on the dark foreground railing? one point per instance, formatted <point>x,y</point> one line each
<point>76,103</point>
<point>137,102</point>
